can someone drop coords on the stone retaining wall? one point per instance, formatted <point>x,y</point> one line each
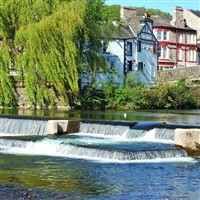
<point>173,75</point>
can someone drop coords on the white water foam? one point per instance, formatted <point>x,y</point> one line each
<point>150,136</point>
<point>55,148</point>
<point>95,159</point>
<point>22,126</point>
<point>131,136</point>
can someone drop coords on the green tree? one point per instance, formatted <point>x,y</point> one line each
<point>49,43</point>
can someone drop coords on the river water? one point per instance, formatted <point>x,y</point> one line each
<point>112,160</point>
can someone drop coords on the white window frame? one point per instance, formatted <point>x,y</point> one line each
<point>164,50</point>
<point>165,35</point>
<point>180,54</point>
<point>192,55</point>
<point>162,36</point>
<point>180,38</point>
<point>129,48</point>
<point>188,39</point>
<point>159,36</point>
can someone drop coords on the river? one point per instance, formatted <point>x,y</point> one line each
<point>112,160</point>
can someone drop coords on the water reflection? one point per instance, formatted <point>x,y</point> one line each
<point>176,116</point>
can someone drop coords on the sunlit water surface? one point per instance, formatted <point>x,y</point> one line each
<point>93,166</point>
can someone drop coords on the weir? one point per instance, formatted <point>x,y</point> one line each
<point>61,148</point>
<point>23,126</point>
<point>122,131</point>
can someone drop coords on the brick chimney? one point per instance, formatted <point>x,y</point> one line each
<point>127,12</point>
<point>177,19</point>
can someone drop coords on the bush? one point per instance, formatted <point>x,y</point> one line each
<point>135,96</point>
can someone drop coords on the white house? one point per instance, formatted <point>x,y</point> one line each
<point>133,50</point>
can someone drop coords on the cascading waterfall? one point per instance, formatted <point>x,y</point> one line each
<point>153,135</point>
<point>12,143</point>
<point>104,129</point>
<point>94,141</point>
<point>60,148</point>
<point>22,126</point>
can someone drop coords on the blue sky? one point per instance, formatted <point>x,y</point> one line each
<point>163,5</point>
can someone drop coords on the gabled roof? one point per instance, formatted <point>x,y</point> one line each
<point>134,24</point>
<point>195,12</point>
<point>161,21</point>
<point>120,32</point>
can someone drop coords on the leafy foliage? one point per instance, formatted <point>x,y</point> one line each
<point>49,43</point>
<point>169,96</point>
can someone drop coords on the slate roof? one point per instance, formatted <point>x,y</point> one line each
<point>196,12</point>
<point>134,24</point>
<point>122,32</point>
<point>161,21</point>
<point>164,21</point>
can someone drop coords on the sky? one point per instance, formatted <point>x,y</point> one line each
<point>163,5</point>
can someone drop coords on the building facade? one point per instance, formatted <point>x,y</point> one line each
<point>178,42</point>
<point>134,51</point>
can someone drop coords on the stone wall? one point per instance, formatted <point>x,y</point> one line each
<point>193,21</point>
<point>173,75</point>
<point>177,17</point>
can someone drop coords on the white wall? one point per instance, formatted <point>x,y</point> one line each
<point>150,63</point>
<point>115,52</point>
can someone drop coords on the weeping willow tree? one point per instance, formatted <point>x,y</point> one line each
<point>50,56</point>
<point>7,84</point>
<point>49,43</point>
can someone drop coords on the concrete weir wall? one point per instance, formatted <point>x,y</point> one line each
<point>189,139</point>
<point>56,127</point>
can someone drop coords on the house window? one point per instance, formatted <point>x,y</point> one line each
<point>180,37</point>
<point>192,39</point>
<point>129,48</point>
<point>195,39</point>
<point>112,64</point>
<point>129,65</point>
<point>192,55</point>
<point>139,46</point>
<point>159,50</point>
<point>188,39</point>
<point>159,35</point>
<point>164,52</point>
<point>164,35</point>
<point>140,66</point>
<point>105,46</point>
<point>180,54</point>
